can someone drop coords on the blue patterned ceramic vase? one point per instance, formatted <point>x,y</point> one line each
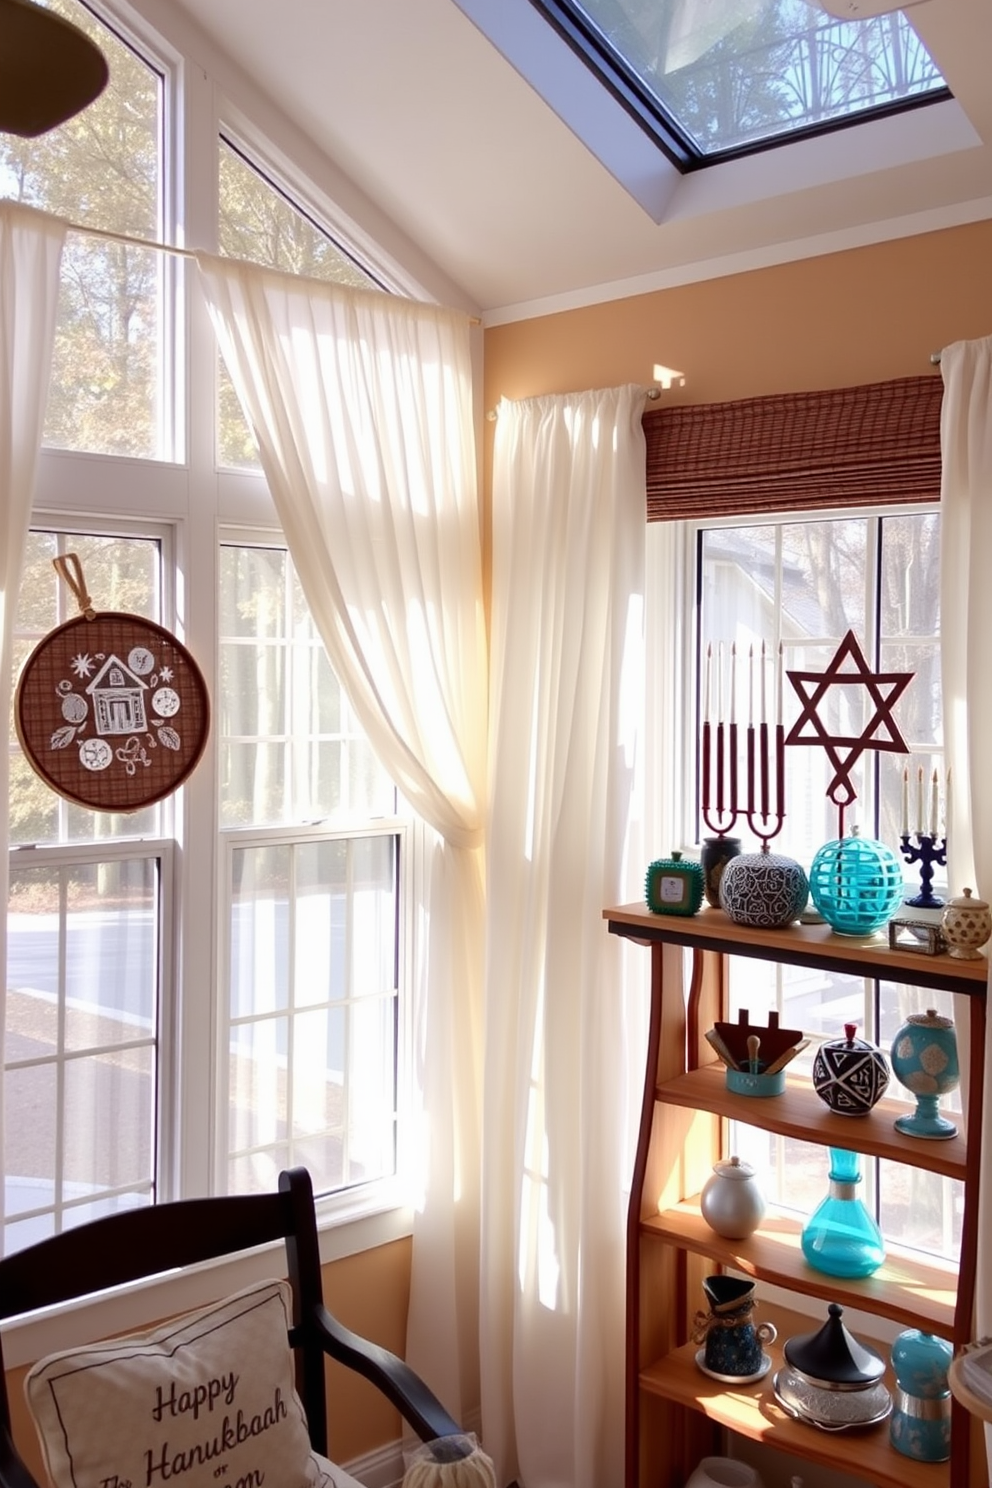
<point>763,889</point>
<point>925,1060</point>
<point>921,1415</point>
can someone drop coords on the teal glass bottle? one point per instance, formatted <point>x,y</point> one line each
<point>841,1238</point>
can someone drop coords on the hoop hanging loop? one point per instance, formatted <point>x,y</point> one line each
<point>69,569</point>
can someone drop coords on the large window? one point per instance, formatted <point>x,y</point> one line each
<point>802,584</point>
<point>211,988</point>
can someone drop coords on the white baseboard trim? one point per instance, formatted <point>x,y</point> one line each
<point>384,1466</point>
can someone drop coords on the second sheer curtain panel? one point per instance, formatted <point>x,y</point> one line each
<point>566,694</point>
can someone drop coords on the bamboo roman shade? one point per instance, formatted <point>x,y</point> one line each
<point>859,446</point>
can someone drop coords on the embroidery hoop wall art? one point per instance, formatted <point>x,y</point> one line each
<point>111,710</point>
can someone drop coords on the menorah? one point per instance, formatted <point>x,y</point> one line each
<point>764,752</point>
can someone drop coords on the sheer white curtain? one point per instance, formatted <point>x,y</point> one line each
<point>966,638</point>
<point>30,257</point>
<point>565,702</point>
<point>361,404</point>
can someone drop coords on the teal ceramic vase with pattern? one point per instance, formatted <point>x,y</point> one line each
<point>925,1060</point>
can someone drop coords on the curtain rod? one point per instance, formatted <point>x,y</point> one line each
<point>935,359</point>
<point>652,392</point>
<point>132,242</point>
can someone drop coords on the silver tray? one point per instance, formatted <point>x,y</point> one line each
<point>798,1412</point>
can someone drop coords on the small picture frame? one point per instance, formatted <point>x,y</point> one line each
<point>922,936</point>
<point>673,886</point>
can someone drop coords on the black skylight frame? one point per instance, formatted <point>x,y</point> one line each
<point>661,125</point>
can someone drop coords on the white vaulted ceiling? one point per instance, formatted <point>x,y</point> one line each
<point>440,129</point>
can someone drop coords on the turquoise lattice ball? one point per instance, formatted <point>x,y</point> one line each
<point>856,884</point>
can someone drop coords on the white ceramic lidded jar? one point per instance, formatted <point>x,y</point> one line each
<point>731,1202</point>
<point>967,925</point>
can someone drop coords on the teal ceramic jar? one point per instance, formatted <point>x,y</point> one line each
<point>921,1412</point>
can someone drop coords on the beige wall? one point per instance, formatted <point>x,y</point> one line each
<point>860,316</point>
<point>369,1294</point>
<point>864,315</point>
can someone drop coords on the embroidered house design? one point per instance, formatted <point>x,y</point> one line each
<point>118,699</point>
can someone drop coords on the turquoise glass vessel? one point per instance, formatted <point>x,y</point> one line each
<point>841,1238</point>
<point>856,884</point>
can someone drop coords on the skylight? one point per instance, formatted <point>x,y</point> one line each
<point>712,78</point>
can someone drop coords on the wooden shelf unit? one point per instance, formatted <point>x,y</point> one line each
<point>753,1411</point>
<point>674,1413</point>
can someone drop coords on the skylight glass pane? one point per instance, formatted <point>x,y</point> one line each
<point>736,73</point>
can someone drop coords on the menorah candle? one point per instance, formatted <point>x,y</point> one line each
<point>719,683</point>
<point>778,686</point>
<point>905,803</point>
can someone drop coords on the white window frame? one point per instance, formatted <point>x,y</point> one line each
<point>377,1193</point>
<point>660,605</point>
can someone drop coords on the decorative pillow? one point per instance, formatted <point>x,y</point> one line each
<point>206,1399</point>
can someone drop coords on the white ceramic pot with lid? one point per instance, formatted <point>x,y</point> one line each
<point>967,925</point>
<point>731,1202</point>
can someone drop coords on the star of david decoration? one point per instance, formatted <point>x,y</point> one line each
<point>881,732</point>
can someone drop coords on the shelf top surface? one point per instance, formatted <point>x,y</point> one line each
<point>754,1411</point>
<point>907,1287</point>
<point>800,1113</point>
<point>800,945</point>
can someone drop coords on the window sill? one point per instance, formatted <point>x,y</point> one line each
<point>145,1302</point>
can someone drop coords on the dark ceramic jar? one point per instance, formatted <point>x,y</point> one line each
<point>850,1074</point>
